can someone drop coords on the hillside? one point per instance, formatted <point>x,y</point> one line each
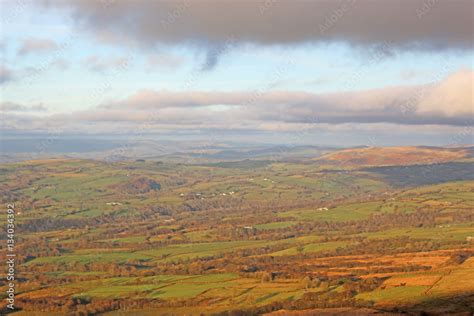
<point>245,237</point>
<point>139,185</point>
<point>394,156</point>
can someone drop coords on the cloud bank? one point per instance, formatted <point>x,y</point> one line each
<point>448,102</point>
<point>411,24</point>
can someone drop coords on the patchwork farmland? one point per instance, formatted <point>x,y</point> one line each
<point>153,238</point>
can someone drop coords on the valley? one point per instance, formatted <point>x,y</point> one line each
<point>244,237</point>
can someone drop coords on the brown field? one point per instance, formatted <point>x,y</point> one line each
<point>332,311</point>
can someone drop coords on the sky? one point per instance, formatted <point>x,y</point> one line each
<point>351,72</point>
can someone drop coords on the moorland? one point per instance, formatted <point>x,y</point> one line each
<point>363,229</point>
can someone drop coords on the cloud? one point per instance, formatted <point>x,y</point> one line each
<point>447,102</point>
<point>452,96</point>
<point>103,64</point>
<point>60,64</point>
<point>215,52</point>
<point>212,57</point>
<point>6,74</point>
<point>415,24</point>
<point>16,107</point>
<point>36,45</point>
<point>318,81</point>
<point>408,74</point>
<point>164,61</point>
<point>33,73</point>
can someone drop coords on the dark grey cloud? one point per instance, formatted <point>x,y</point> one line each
<point>214,53</point>
<point>212,57</point>
<point>414,24</point>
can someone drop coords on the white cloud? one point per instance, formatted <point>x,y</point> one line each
<point>452,96</point>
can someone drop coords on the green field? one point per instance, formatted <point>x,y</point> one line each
<point>218,237</point>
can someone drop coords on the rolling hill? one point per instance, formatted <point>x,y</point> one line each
<point>393,156</point>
